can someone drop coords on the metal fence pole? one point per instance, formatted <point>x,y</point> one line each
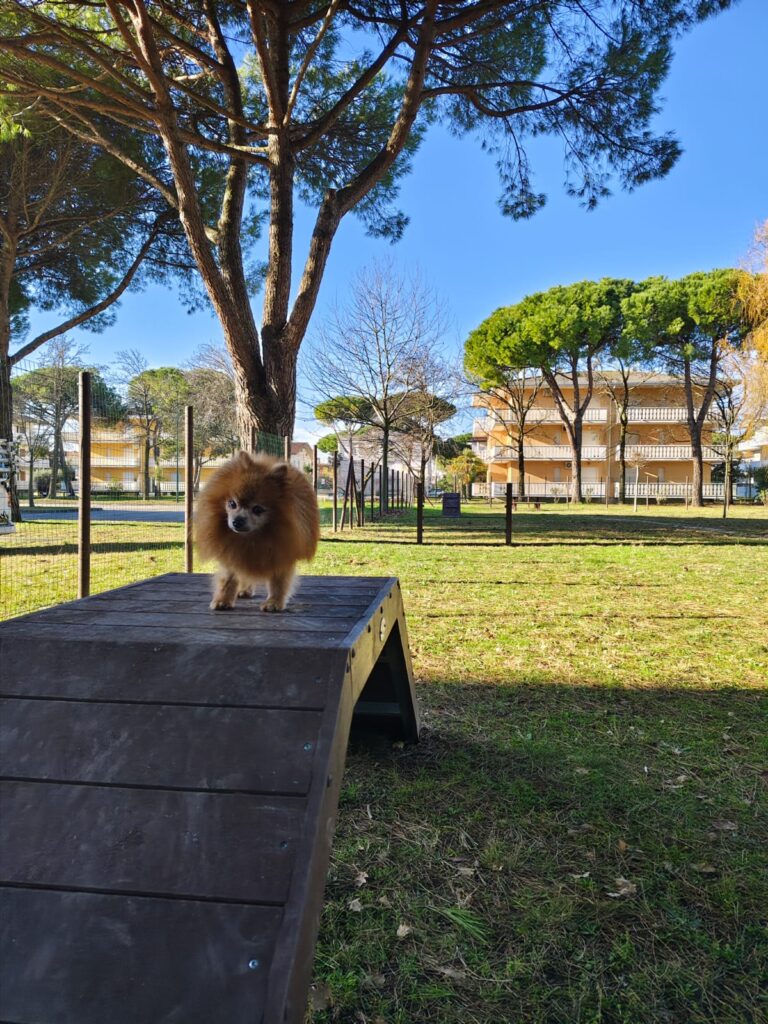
<point>84,497</point>
<point>508,516</point>
<point>335,484</point>
<point>361,512</point>
<point>314,469</point>
<point>419,513</point>
<point>286,448</point>
<point>189,484</point>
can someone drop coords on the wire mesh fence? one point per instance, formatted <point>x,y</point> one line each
<point>138,482</point>
<point>134,459</point>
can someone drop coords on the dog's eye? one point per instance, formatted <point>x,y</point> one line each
<point>257,510</point>
<point>231,504</point>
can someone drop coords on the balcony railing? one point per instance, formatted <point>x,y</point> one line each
<point>548,452</point>
<point>483,425</point>
<point>596,489</point>
<point>666,453</point>
<point>669,490</point>
<point>541,489</point>
<point>118,460</point>
<point>660,414</point>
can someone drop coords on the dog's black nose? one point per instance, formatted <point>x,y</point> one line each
<point>239,522</point>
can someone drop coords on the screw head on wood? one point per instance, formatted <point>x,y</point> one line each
<point>307,746</point>
<point>253,964</point>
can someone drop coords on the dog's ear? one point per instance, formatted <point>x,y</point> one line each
<point>244,457</point>
<point>279,472</point>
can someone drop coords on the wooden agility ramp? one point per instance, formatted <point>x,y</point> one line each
<point>170,788</point>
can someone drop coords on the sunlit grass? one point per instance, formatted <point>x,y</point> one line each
<point>579,836</point>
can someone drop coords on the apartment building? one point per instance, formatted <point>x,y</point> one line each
<point>658,448</point>
<point>754,452</point>
<point>117,461</point>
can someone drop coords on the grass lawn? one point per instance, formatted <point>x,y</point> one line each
<point>579,837</point>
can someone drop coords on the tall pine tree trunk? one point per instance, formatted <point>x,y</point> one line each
<point>6,433</point>
<point>575,437</point>
<point>623,459</point>
<point>697,484</point>
<point>521,468</point>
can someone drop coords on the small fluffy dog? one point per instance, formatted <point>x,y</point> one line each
<point>256,516</point>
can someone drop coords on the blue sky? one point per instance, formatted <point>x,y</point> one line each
<point>702,215</point>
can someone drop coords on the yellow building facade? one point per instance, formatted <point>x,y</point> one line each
<point>117,462</point>
<point>658,446</point>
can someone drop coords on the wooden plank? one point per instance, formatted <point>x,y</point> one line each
<point>328,603</point>
<point>246,750</point>
<point>246,676</point>
<point>291,970</point>
<point>179,584</point>
<point>85,958</point>
<point>155,842</point>
<point>202,583</point>
<point>61,632</point>
<point>150,734</point>
<point>245,616</point>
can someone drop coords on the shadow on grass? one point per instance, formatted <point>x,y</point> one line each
<point>476,529</point>
<point>105,547</point>
<point>560,853</point>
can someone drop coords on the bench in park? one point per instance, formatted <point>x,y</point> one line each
<point>170,788</point>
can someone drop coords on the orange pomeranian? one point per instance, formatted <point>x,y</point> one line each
<point>256,517</point>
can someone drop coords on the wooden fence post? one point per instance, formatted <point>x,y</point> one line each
<point>286,448</point>
<point>508,516</point>
<point>84,497</point>
<point>189,485</point>
<point>335,484</point>
<point>419,513</point>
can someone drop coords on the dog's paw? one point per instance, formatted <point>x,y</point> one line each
<point>221,606</point>
<point>272,606</point>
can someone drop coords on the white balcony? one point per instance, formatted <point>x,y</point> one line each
<point>665,453</point>
<point>540,489</point>
<point>116,461</point>
<point>495,421</point>
<point>712,492</point>
<point>660,414</point>
<point>548,453</point>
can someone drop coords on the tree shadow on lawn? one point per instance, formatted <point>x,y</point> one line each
<point>536,529</point>
<point>105,547</point>
<point>560,853</point>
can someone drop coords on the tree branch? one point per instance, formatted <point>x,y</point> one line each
<point>99,307</point>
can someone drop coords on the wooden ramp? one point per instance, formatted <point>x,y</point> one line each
<point>170,787</point>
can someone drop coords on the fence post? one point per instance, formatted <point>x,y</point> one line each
<point>84,497</point>
<point>314,469</point>
<point>381,492</point>
<point>419,512</point>
<point>373,491</point>
<point>335,484</point>
<point>361,511</point>
<point>286,448</point>
<point>189,484</point>
<point>508,516</point>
